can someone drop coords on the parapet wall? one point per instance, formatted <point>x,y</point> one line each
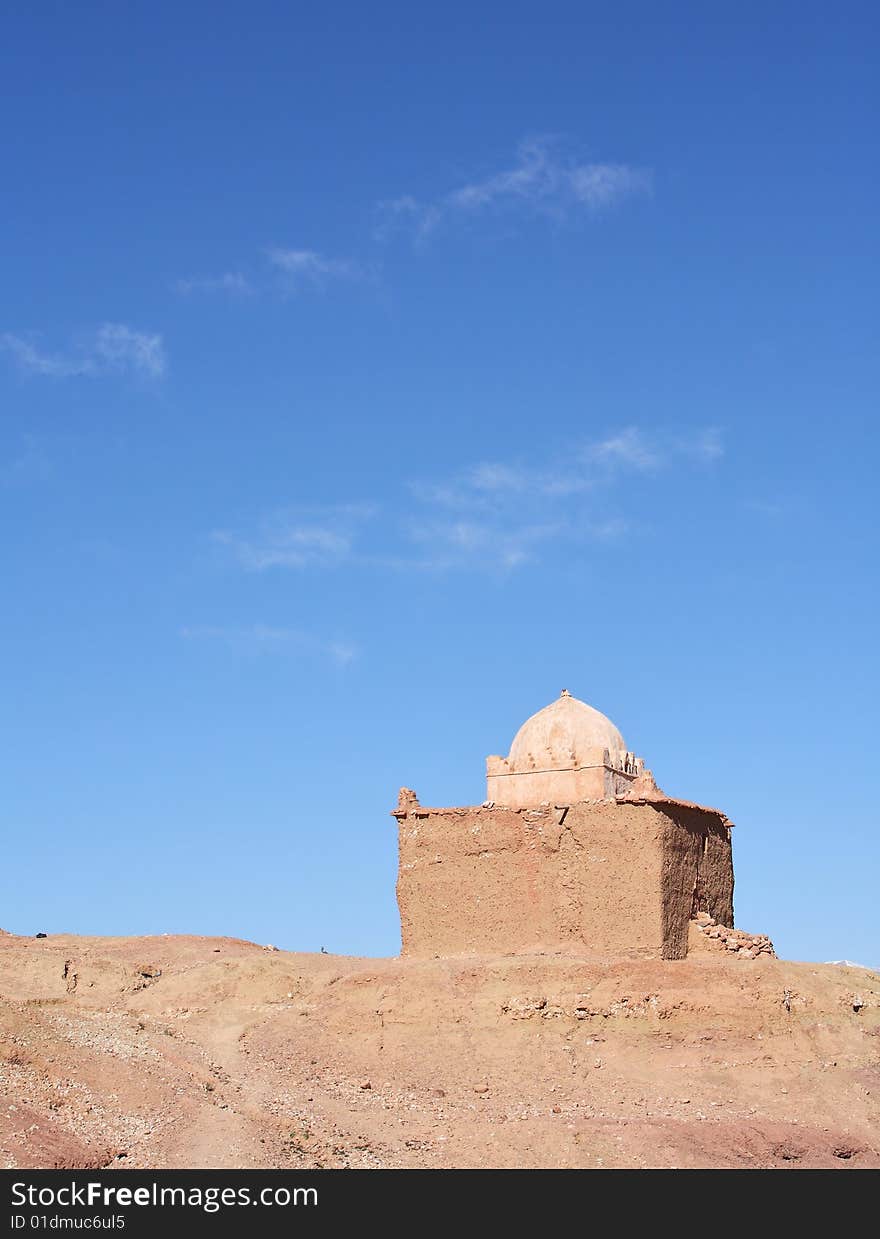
<point>598,774</point>
<point>618,877</point>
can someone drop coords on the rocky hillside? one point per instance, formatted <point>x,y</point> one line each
<point>177,1052</point>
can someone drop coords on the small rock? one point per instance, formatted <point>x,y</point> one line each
<point>365,1084</point>
<point>481,1088</point>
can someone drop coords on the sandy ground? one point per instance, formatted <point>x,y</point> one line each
<point>213,1052</point>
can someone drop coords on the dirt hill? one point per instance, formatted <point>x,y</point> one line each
<point>213,1052</point>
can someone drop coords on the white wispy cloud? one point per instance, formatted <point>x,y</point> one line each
<point>119,348</point>
<point>493,477</point>
<point>513,531</point>
<point>293,548</point>
<point>493,515</point>
<point>492,543</point>
<point>299,267</point>
<point>32,361</point>
<point>269,639</point>
<point>113,349</point>
<point>629,449</point>
<point>232,282</point>
<point>544,179</point>
<point>291,270</point>
<point>704,444</point>
<point>298,538</point>
<point>504,513</point>
<point>633,449</point>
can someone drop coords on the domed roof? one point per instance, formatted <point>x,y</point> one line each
<point>564,727</point>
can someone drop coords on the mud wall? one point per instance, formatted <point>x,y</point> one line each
<point>697,874</point>
<point>610,878</point>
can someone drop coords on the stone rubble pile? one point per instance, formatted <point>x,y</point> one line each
<point>735,941</point>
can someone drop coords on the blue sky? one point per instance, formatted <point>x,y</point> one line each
<point>367,376</point>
